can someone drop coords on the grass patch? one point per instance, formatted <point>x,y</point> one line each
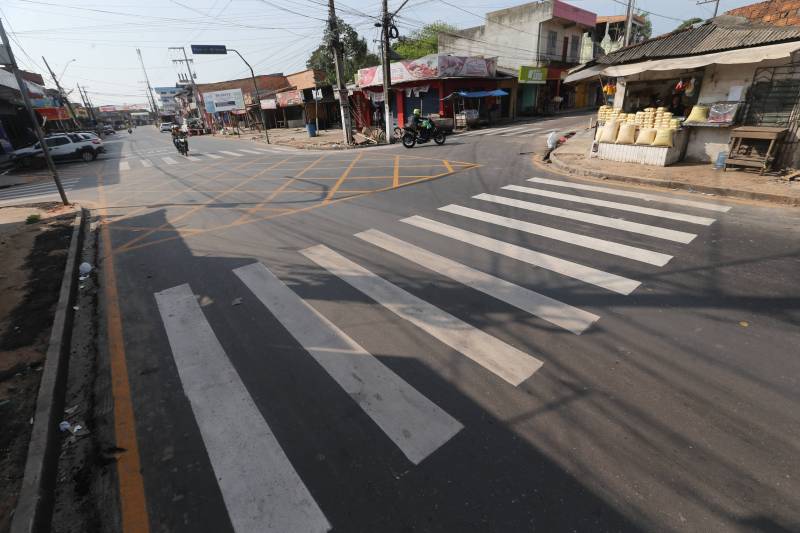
<point>33,219</point>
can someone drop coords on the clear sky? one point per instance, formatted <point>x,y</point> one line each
<point>274,35</point>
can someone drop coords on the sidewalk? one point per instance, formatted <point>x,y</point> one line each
<point>330,139</point>
<point>572,157</point>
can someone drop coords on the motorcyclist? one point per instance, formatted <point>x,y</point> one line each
<point>177,133</point>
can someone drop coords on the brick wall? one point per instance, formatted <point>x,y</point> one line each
<point>773,12</point>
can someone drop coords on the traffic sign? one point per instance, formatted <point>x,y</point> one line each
<point>209,49</point>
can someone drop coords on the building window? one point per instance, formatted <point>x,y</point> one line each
<point>573,48</point>
<point>552,40</point>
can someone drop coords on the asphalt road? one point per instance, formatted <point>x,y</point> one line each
<point>430,340</point>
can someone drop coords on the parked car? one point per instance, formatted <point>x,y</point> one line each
<point>63,146</point>
<point>107,129</point>
<point>165,126</point>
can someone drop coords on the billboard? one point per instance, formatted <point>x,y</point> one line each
<point>229,100</point>
<point>289,98</point>
<point>430,67</point>
<point>535,75</point>
<point>269,103</point>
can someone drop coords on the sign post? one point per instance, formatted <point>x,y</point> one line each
<point>222,49</point>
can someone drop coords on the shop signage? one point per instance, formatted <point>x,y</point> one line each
<point>269,104</point>
<point>534,75</point>
<point>209,49</point>
<point>107,108</point>
<point>430,67</point>
<point>53,113</point>
<point>289,98</point>
<point>229,100</point>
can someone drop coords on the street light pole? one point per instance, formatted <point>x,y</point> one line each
<point>194,86</point>
<point>258,96</point>
<point>23,89</point>
<point>61,91</point>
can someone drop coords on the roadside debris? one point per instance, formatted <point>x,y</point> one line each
<point>237,301</point>
<point>84,269</point>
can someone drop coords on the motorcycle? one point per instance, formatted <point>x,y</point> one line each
<point>423,134</point>
<point>182,144</point>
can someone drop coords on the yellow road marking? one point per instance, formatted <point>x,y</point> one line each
<point>396,177</point>
<point>343,177</point>
<point>447,165</point>
<point>131,485</point>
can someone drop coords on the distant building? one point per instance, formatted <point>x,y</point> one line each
<point>784,13</point>
<point>610,32</point>
<point>538,40</point>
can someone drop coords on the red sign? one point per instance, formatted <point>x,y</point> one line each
<point>53,113</point>
<point>289,98</point>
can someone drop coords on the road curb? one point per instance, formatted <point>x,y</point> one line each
<point>34,506</point>
<point>668,184</point>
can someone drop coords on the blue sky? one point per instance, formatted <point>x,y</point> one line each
<point>274,35</point>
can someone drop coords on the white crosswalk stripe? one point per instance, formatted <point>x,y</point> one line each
<point>146,163</point>
<point>169,161</point>
<point>601,245</point>
<point>633,194</point>
<point>193,159</point>
<point>525,131</point>
<point>212,156</point>
<point>233,154</point>
<point>414,423</point>
<point>503,131</point>
<point>600,220</point>
<point>260,487</point>
<point>24,193</point>
<point>705,221</point>
<point>249,151</point>
<point>507,362</point>
<point>553,311</point>
<point>124,165</point>
<point>570,269</point>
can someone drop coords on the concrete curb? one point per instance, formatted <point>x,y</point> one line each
<point>34,506</point>
<point>667,184</point>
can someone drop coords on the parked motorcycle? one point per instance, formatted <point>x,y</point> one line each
<point>425,133</point>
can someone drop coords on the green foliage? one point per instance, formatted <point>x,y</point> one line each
<point>688,22</point>
<point>647,29</point>
<point>423,41</point>
<point>33,219</point>
<point>355,53</point>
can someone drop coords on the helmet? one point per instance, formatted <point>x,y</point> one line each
<point>417,112</point>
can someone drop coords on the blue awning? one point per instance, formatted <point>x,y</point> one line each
<point>476,94</point>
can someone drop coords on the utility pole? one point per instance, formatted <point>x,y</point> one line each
<point>62,93</point>
<point>191,80</point>
<point>89,107</point>
<point>716,5</point>
<point>23,89</point>
<point>344,102</point>
<point>150,100</point>
<point>387,71</point>
<point>628,23</point>
<point>258,95</point>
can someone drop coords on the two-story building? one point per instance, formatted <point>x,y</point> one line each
<point>538,40</point>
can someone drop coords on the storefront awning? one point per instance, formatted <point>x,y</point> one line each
<point>728,57</point>
<point>476,94</point>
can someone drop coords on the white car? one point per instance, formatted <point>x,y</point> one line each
<point>166,126</point>
<point>85,146</point>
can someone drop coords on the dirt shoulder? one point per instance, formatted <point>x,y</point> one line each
<point>34,255</point>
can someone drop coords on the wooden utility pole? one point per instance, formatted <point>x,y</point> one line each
<point>387,70</point>
<point>23,89</point>
<point>336,47</point>
<point>89,108</point>
<point>62,93</point>
<point>150,100</point>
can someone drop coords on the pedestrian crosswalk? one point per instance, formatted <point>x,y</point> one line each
<point>270,491</point>
<point>133,162</point>
<point>34,191</point>
<point>508,131</point>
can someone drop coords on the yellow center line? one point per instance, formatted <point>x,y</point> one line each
<point>396,178</point>
<point>342,178</point>
<point>447,165</point>
<point>134,516</point>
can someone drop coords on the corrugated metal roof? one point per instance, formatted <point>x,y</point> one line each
<point>714,36</point>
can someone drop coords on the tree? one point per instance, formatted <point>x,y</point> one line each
<point>423,41</point>
<point>356,55</point>
<point>646,31</point>
<point>688,23</point>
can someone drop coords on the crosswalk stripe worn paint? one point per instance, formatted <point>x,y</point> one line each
<point>523,132</point>
<point>592,243</point>
<point>124,165</point>
<point>704,221</point>
<point>249,151</point>
<point>415,424</point>
<point>606,280</point>
<point>169,161</point>
<point>633,194</point>
<point>213,156</point>
<point>505,361</point>
<point>553,311</point>
<point>146,163</point>
<point>260,487</point>
<point>609,222</point>
<point>234,154</point>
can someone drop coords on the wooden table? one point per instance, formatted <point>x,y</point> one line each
<point>738,155</point>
